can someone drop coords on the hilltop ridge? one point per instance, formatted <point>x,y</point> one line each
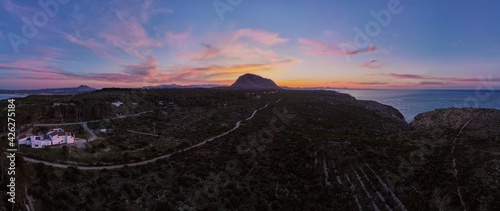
<point>252,81</point>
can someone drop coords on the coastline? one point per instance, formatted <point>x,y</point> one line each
<point>414,102</point>
<point>9,96</point>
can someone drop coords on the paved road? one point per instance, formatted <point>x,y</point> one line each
<point>84,125</point>
<point>94,136</point>
<point>138,114</point>
<point>142,162</point>
<point>80,123</point>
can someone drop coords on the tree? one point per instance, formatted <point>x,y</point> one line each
<point>43,129</point>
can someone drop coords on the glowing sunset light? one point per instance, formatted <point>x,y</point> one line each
<point>374,45</point>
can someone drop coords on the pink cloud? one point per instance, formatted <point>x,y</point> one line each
<point>121,33</point>
<point>231,45</point>
<point>328,33</point>
<point>127,34</point>
<point>47,63</point>
<point>41,69</point>
<point>147,10</point>
<point>261,36</point>
<point>214,72</point>
<point>208,51</point>
<point>404,76</point>
<point>371,64</point>
<point>31,63</point>
<point>316,48</point>
<point>19,66</point>
<point>94,46</point>
<point>44,65</point>
<point>178,39</point>
<point>431,83</point>
<point>146,72</point>
<point>49,74</point>
<point>369,83</point>
<point>91,44</point>
<point>52,55</point>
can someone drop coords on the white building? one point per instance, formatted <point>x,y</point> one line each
<point>117,104</point>
<point>54,137</point>
<point>36,141</point>
<point>62,138</point>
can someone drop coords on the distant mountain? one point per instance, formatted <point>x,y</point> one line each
<point>175,86</point>
<point>251,81</point>
<point>55,91</point>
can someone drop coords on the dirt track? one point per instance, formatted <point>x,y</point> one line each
<point>136,163</point>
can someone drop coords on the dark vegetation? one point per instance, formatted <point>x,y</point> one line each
<point>57,91</point>
<point>275,161</point>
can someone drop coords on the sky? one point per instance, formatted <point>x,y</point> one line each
<point>389,44</point>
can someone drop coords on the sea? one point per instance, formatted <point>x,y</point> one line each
<point>412,102</point>
<point>7,96</point>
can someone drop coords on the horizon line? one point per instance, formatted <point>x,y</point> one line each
<point>493,89</point>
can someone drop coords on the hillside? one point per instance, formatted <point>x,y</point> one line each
<point>55,91</point>
<point>288,150</point>
<point>251,81</point>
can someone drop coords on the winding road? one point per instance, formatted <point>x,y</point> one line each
<point>85,126</point>
<point>58,165</point>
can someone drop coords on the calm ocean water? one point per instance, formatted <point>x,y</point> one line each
<point>412,102</point>
<point>5,96</point>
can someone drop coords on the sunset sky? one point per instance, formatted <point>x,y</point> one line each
<point>423,45</point>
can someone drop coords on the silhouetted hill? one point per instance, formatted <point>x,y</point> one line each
<point>251,81</point>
